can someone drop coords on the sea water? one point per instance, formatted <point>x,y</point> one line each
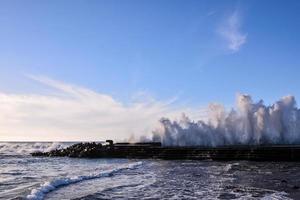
<point>26,177</point>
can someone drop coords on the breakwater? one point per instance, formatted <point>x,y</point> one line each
<point>156,151</point>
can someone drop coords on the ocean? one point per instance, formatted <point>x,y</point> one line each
<point>26,177</point>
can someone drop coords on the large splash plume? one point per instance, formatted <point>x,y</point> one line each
<point>248,124</point>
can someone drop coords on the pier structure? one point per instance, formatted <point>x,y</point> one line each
<point>155,150</point>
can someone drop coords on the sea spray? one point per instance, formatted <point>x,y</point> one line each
<point>22,148</point>
<point>247,124</point>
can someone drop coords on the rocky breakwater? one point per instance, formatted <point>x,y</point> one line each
<point>81,150</point>
<point>156,151</point>
<point>107,150</point>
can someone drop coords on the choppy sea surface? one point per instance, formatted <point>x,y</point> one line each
<point>26,177</point>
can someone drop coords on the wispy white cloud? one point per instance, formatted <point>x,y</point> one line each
<point>231,32</point>
<point>77,113</point>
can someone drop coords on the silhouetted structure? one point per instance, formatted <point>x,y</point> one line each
<point>157,151</point>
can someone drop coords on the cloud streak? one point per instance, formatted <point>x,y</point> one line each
<point>77,113</point>
<point>230,31</point>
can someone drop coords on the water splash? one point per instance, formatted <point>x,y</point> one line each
<point>25,148</point>
<point>248,124</point>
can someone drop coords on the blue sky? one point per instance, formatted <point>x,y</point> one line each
<point>196,51</point>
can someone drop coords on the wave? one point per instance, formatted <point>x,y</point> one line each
<point>39,193</point>
<point>276,196</point>
<point>25,148</point>
<point>248,124</point>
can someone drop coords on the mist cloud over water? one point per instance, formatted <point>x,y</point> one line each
<point>248,123</point>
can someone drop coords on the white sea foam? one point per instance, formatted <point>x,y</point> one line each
<point>227,167</point>
<point>21,148</point>
<point>248,124</point>
<point>39,193</point>
<point>276,196</point>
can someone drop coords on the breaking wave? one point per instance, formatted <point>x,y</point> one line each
<point>39,193</point>
<point>248,123</point>
<point>22,148</point>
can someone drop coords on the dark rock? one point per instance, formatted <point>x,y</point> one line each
<point>156,151</point>
<point>227,196</point>
<point>110,142</point>
<point>283,181</point>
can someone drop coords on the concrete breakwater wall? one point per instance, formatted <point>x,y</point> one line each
<point>156,151</point>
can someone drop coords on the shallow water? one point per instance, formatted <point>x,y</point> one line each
<point>25,177</point>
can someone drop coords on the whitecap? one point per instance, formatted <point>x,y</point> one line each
<point>39,193</point>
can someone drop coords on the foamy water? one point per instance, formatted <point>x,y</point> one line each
<point>25,177</point>
<point>25,148</point>
<point>248,123</point>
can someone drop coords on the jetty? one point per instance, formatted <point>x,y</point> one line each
<point>155,150</point>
